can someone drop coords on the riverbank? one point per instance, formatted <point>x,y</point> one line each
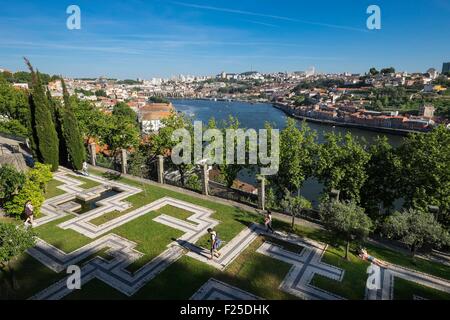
<point>217,99</point>
<point>394,131</point>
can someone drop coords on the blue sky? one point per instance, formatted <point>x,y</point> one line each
<point>159,38</point>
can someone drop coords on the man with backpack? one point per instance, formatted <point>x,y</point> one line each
<point>215,243</point>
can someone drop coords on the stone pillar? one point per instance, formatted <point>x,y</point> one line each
<point>160,169</point>
<point>261,193</point>
<point>124,161</point>
<point>334,194</point>
<point>205,178</point>
<point>93,153</point>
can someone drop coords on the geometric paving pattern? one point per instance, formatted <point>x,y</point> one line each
<point>56,208</point>
<point>387,279</point>
<point>114,271</point>
<point>305,265</point>
<point>216,290</point>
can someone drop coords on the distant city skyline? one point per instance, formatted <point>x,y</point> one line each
<point>160,39</point>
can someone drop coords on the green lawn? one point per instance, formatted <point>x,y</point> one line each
<point>256,273</point>
<point>107,217</point>
<point>175,212</point>
<point>65,240</point>
<point>405,290</point>
<point>151,237</point>
<point>426,266</point>
<point>251,271</point>
<point>87,183</point>
<point>52,190</point>
<point>354,282</point>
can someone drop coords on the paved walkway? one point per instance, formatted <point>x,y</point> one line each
<point>217,290</point>
<point>114,271</point>
<point>305,265</point>
<point>57,207</point>
<point>387,278</point>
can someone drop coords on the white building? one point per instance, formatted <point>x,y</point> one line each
<point>151,115</point>
<point>21,85</point>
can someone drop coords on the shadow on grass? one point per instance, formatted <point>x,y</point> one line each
<point>112,175</point>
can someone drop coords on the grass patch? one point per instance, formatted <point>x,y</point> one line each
<point>30,276</point>
<point>383,253</point>
<point>53,190</point>
<point>353,283</point>
<point>257,273</point>
<point>175,212</point>
<point>426,266</point>
<point>151,237</point>
<point>95,290</point>
<point>65,240</point>
<point>107,217</point>
<point>253,272</point>
<point>87,183</point>
<point>405,290</point>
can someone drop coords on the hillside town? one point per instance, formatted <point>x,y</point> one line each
<point>385,99</point>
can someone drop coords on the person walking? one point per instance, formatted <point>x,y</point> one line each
<point>268,221</point>
<point>215,243</point>
<point>29,213</point>
<point>85,169</point>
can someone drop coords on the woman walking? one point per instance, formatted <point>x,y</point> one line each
<point>268,221</point>
<point>29,213</point>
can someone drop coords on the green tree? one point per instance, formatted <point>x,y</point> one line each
<point>294,205</point>
<point>373,71</point>
<point>387,70</point>
<point>417,229</point>
<point>46,136</point>
<point>14,103</point>
<point>137,164</point>
<point>425,174</point>
<point>100,93</point>
<point>341,164</point>
<point>380,189</point>
<point>91,120</point>
<point>33,189</point>
<point>55,109</point>
<point>346,220</point>
<point>14,127</point>
<point>297,148</point>
<point>71,132</point>
<point>122,134</point>
<point>124,112</point>
<point>230,168</point>
<point>14,240</point>
<point>10,181</point>
<point>158,100</point>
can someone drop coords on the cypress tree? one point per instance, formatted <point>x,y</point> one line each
<point>55,109</point>
<point>71,132</point>
<point>46,136</point>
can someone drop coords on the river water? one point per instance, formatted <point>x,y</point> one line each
<point>254,116</point>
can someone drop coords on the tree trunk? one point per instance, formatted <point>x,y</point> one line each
<point>347,249</point>
<point>293,222</point>
<point>413,251</point>
<point>182,177</point>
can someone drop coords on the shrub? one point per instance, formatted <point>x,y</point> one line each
<point>10,181</point>
<point>33,190</point>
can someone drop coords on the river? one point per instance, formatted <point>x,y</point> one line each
<point>254,116</point>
